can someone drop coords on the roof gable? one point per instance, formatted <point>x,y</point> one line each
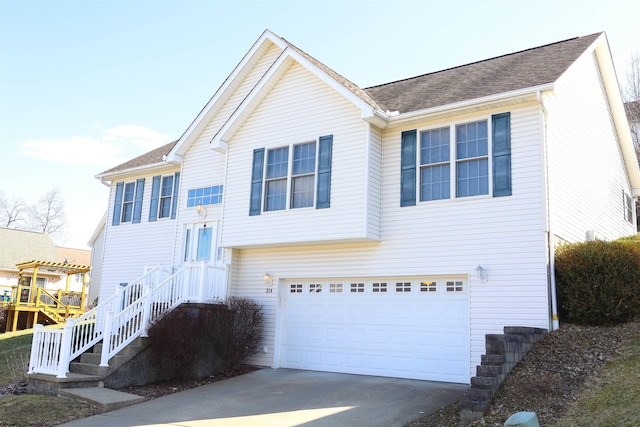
<point>369,109</point>
<point>507,73</point>
<point>217,101</point>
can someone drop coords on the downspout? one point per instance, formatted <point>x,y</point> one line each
<point>550,241</point>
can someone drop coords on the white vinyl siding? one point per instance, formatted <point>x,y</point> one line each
<point>450,237</point>
<point>131,247</point>
<point>299,108</point>
<point>586,169</point>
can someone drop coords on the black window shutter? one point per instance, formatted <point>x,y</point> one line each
<point>155,195</point>
<point>137,206</point>
<point>408,168</point>
<point>324,172</point>
<point>501,137</point>
<point>117,205</point>
<point>174,199</point>
<point>255,204</point>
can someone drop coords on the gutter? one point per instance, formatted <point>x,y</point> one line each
<point>528,94</point>
<point>551,276</point>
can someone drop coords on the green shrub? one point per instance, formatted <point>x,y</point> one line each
<point>237,333</point>
<point>598,282</point>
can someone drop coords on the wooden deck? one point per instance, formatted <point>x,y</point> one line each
<point>29,306</point>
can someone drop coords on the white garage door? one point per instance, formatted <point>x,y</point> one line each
<point>405,328</point>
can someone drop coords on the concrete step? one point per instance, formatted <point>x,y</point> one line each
<point>50,384</point>
<point>103,398</point>
<point>88,369</point>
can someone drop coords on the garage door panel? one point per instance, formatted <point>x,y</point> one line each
<point>408,334</point>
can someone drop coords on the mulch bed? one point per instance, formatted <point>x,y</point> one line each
<point>154,390</point>
<point>550,377</point>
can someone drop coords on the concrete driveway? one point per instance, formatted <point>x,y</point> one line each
<point>288,397</point>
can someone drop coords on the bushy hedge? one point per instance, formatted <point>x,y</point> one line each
<point>598,283</point>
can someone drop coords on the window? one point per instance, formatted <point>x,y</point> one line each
<point>434,161</point>
<point>472,159</point>
<point>164,196</point>
<point>295,288</point>
<point>379,287</point>
<point>204,244</point>
<point>335,288</point>
<point>628,207</point>
<point>455,160</point>
<point>428,287</point>
<point>128,202</point>
<point>455,286</point>
<point>276,179</point>
<point>291,177</point>
<point>303,175</point>
<point>204,196</point>
<point>357,287</point>
<point>403,286</point>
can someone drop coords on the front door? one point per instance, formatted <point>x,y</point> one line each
<point>200,243</point>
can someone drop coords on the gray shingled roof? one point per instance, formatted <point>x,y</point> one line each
<point>18,246</point>
<point>528,68</point>
<point>153,156</point>
<point>519,70</point>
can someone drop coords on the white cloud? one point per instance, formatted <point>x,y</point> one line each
<point>137,135</point>
<point>113,147</point>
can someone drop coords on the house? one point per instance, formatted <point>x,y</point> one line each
<point>17,246</point>
<point>385,230</point>
<point>40,282</point>
<point>96,243</point>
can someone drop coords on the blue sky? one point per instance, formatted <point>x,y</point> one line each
<point>86,85</point>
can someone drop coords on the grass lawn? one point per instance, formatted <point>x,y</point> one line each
<point>15,348</point>
<point>614,400</point>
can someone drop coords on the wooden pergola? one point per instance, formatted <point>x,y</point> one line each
<point>29,303</point>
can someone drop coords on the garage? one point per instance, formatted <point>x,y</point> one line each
<point>414,328</point>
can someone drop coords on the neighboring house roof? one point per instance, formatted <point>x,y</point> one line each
<point>507,73</point>
<point>74,256</point>
<point>17,246</point>
<point>152,157</point>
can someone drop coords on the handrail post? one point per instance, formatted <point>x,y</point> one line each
<point>106,339</point>
<point>146,313</point>
<point>35,347</point>
<point>203,272</point>
<point>65,348</point>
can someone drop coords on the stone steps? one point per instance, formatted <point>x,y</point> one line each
<point>503,352</point>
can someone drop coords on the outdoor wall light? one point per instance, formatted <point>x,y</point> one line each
<point>482,274</point>
<point>202,210</point>
<point>268,279</point>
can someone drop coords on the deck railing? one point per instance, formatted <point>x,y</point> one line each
<point>123,317</point>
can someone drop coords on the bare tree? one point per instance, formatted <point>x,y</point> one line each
<point>632,99</point>
<point>13,212</point>
<point>47,216</point>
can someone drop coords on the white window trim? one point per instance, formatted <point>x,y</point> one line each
<point>289,178</point>
<point>453,161</point>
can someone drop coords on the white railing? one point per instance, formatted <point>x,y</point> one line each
<point>123,317</point>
